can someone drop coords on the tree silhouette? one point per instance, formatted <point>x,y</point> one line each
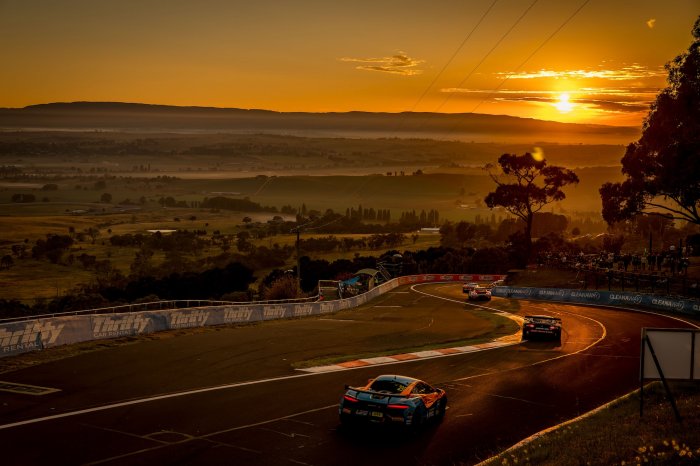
<point>93,233</point>
<point>525,186</point>
<point>662,168</point>
<point>6,262</point>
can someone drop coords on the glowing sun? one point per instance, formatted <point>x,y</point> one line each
<point>564,106</point>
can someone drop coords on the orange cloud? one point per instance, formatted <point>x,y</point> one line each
<point>619,100</point>
<point>629,72</point>
<point>397,64</point>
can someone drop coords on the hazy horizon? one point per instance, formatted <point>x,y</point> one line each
<point>152,119</point>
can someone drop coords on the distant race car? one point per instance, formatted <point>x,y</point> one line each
<point>467,287</point>
<point>479,293</point>
<point>393,399</point>
<point>542,326</point>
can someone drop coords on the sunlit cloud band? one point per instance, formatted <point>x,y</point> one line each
<point>620,100</point>
<point>630,72</point>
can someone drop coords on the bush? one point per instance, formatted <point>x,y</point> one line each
<point>285,287</point>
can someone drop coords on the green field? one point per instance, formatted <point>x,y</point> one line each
<point>29,279</point>
<point>74,204</point>
<point>455,196</point>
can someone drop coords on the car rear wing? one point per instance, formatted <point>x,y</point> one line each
<point>372,392</point>
<point>543,320</point>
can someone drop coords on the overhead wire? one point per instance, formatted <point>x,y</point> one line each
<point>454,54</point>
<point>488,54</point>
<point>523,63</point>
<point>324,225</point>
<point>304,227</point>
<point>498,42</point>
<point>539,47</point>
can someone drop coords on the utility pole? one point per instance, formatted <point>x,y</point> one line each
<point>298,231</point>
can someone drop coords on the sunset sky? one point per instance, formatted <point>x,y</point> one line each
<point>596,61</point>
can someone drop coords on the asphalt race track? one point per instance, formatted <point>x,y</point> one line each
<point>231,396</point>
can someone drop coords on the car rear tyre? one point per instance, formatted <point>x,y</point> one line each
<point>418,420</point>
<point>442,409</point>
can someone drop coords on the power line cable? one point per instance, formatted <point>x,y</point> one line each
<point>488,54</point>
<point>325,224</point>
<point>571,17</point>
<point>501,39</point>
<point>454,54</point>
<point>524,62</point>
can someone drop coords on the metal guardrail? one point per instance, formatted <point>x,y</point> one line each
<point>156,306</point>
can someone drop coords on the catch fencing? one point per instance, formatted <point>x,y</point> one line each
<point>39,333</point>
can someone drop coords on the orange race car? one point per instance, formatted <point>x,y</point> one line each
<point>393,399</point>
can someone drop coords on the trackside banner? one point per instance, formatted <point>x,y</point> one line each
<point>448,278</point>
<point>603,298</point>
<point>30,335</point>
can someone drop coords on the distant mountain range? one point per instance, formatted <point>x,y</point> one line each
<point>132,117</point>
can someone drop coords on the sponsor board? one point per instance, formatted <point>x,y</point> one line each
<point>674,353</point>
<point>587,295</point>
<point>38,334</point>
<point>626,298</point>
<point>303,310</point>
<point>238,314</point>
<point>29,336</point>
<point>274,312</point>
<point>187,319</point>
<point>672,304</point>
<point>507,291</point>
<point>610,298</point>
<point>119,326</point>
<point>328,307</point>
<point>553,293</point>
<point>481,278</point>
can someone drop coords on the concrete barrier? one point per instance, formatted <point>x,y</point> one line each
<point>35,334</point>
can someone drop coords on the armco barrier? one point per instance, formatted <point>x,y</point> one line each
<point>602,298</point>
<point>30,335</point>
